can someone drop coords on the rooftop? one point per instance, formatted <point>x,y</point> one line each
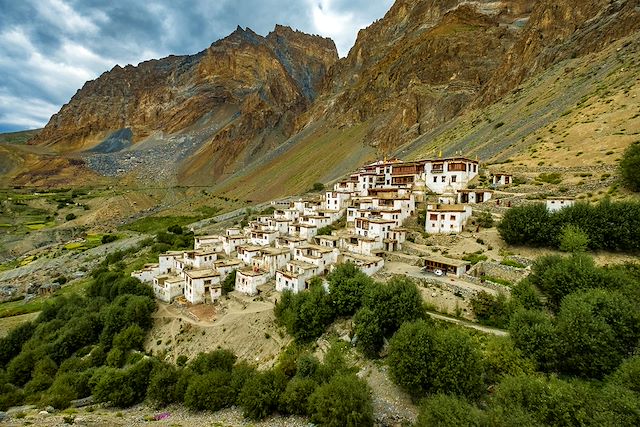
<point>445,260</point>
<point>201,273</point>
<point>446,208</point>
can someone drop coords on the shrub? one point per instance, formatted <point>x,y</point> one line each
<point>229,283</point>
<point>211,391</point>
<point>317,187</point>
<point>295,398</point>
<point>70,216</point>
<point>347,284</point>
<point>444,410</point>
<point>573,239</point>
<point>163,385</point>
<point>630,167</point>
<point>260,395</point>
<point>485,220</point>
<point>217,359</point>
<point>175,229</point>
<point>491,310</point>
<point>344,401</point>
<point>368,332</point>
<point>108,238</point>
<point>420,361</point>
<point>534,333</point>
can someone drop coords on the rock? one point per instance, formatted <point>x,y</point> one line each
<point>42,413</point>
<point>50,409</point>
<point>3,416</point>
<point>79,403</point>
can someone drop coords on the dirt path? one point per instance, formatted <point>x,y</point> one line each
<point>466,324</point>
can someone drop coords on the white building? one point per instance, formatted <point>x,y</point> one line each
<point>501,179</point>
<point>263,238</point>
<point>147,273</point>
<point>554,204</point>
<point>247,252</point>
<point>444,266</point>
<point>473,196</point>
<point>304,230</point>
<point>200,284</point>
<point>271,259</point>
<point>368,264</point>
<point>320,256</point>
<point>295,275</point>
<point>212,242</point>
<point>226,266</point>
<point>166,287</point>
<point>248,280</point>
<point>455,172</point>
<point>446,218</point>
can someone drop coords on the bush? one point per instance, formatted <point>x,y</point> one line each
<point>443,410</point>
<point>528,224</point>
<point>175,229</point>
<point>485,220</point>
<point>573,239</point>
<point>218,359</point>
<point>420,361</point>
<point>317,187</point>
<point>229,283</point>
<point>491,310</point>
<point>108,238</point>
<point>260,395</point>
<point>344,401</point>
<point>347,284</point>
<point>70,217</point>
<point>295,398</point>
<point>367,330</point>
<point>630,167</point>
<point>163,385</point>
<point>534,333</point>
<point>211,391</point>
<point>597,330</point>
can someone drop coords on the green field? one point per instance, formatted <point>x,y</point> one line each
<point>155,224</point>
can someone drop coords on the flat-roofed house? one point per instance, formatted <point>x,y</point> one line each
<point>446,218</point>
<point>361,245</point>
<point>166,287</point>
<point>320,256</point>
<point>554,204</point>
<point>445,265</point>
<point>248,280</point>
<point>199,259</point>
<point>263,237</point>
<point>295,275</point>
<point>290,242</point>
<point>147,273</point>
<point>499,179</point>
<point>226,266</point>
<point>247,252</point>
<point>232,242</point>
<point>200,284</point>
<point>271,259</point>
<point>368,264</point>
<point>213,242</point>
<point>454,171</point>
<point>304,230</point>
<point>477,195</point>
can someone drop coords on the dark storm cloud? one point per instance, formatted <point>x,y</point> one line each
<point>49,48</point>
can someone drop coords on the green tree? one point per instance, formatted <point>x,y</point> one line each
<point>163,385</point>
<point>347,284</point>
<point>628,374</point>
<point>573,239</point>
<point>534,333</point>
<point>420,360</point>
<point>597,330</point>
<point>260,395</point>
<point>630,167</point>
<point>295,398</point>
<point>485,220</point>
<point>502,358</point>
<point>441,410</point>
<point>368,332</point>
<point>395,303</point>
<point>217,359</point>
<point>229,283</point>
<point>344,401</point>
<point>211,391</point>
<point>528,224</point>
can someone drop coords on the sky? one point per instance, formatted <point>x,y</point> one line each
<point>49,48</point>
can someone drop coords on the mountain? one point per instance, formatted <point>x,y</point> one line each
<point>265,116</point>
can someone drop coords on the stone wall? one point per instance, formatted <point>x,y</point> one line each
<point>493,269</point>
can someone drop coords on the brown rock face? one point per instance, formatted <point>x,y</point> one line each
<point>245,71</point>
<point>420,66</point>
<point>558,30</point>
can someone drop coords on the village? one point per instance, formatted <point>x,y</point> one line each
<point>359,221</point>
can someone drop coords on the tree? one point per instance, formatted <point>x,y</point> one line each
<point>533,332</point>
<point>295,398</point>
<point>528,224</point>
<point>395,303</point>
<point>628,374</point>
<point>368,333</point>
<point>491,310</point>
<point>420,360</point>
<point>70,216</point>
<point>597,330</point>
<point>163,381</point>
<point>503,359</point>
<point>573,239</point>
<point>306,314</point>
<point>260,395</point>
<point>485,220</point>
<point>442,410</point>
<point>175,229</point>
<point>317,187</point>
<point>229,283</point>
<point>344,401</point>
<point>211,391</point>
<point>630,167</point>
<point>217,359</point>
<point>347,284</point>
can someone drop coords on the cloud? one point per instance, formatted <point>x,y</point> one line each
<point>50,48</point>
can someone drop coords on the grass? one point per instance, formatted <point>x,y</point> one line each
<point>15,308</point>
<point>155,224</point>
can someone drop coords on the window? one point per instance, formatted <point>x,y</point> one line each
<point>435,179</point>
<point>442,217</point>
<point>453,217</point>
<point>453,178</point>
<point>433,217</point>
<point>444,178</point>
